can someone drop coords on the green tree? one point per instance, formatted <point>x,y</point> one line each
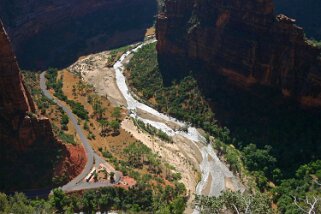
<point>64,119</point>
<point>90,201</point>
<point>258,159</point>
<point>135,152</point>
<point>177,206</point>
<point>104,124</point>
<point>4,203</point>
<point>58,200</point>
<point>20,204</point>
<point>115,125</point>
<point>154,163</point>
<point>234,202</point>
<point>116,113</point>
<point>111,177</point>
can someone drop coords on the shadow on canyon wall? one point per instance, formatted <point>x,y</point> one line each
<point>61,43</point>
<point>32,168</point>
<point>258,115</point>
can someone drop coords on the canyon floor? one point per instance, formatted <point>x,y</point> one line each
<point>185,155</point>
<point>94,71</point>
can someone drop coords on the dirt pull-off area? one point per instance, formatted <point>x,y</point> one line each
<point>95,71</point>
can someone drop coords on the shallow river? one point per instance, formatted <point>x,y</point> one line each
<point>213,172</point>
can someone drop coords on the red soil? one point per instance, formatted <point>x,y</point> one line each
<point>126,182</point>
<point>73,162</point>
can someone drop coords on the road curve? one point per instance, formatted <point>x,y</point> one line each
<point>71,186</point>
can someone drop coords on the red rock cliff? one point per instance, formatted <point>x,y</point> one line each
<point>18,123</point>
<point>242,40</point>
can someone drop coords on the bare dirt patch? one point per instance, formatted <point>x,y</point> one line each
<point>114,144</point>
<point>94,70</point>
<point>171,153</point>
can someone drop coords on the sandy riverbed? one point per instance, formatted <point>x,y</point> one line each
<point>171,153</point>
<point>93,70</point>
<point>184,154</point>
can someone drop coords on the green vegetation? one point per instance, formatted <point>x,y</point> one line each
<point>44,104</point>
<point>52,83</point>
<point>49,109</point>
<point>66,138</point>
<point>146,168</point>
<point>116,113</point>
<point>234,202</point>
<point>69,139</point>
<point>314,43</point>
<point>64,122</point>
<point>256,124</point>
<point>18,203</point>
<point>105,125</point>
<point>159,194</point>
<point>116,54</point>
<point>182,99</point>
<point>261,165</point>
<point>305,185</point>
<point>99,115</point>
<point>135,200</point>
<point>115,125</point>
<point>137,156</point>
<point>78,109</point>
<point>95,102</point>
<point>153,131</point>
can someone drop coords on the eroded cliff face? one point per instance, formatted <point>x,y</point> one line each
<point>30,155</point>
<point>19,126</point>
<point>241,40</point>
<point>55,33</point>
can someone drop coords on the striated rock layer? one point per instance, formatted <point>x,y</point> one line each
<point>30,155</point>
<point>242,40</point>
<point>18,123</point>
<point>55,33</point>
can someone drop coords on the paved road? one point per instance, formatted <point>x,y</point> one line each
<point>92,158</point>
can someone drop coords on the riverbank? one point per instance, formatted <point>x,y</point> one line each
<point>188,153</point>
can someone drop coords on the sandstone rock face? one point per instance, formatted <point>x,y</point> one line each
<point>51,32</point>
<point>18,123</point>
<point>242,40</point>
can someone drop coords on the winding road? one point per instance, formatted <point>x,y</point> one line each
<point>92,158</point>
<point>215,175</point>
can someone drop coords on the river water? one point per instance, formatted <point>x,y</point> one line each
<point>213,171</point>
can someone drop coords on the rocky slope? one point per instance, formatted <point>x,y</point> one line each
<point>19,125</point>
<point>242,40</point>
<point>55,33</point>
<point>30,155</point>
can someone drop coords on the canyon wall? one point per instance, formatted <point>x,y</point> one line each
<point>242,40</point>
<point>19,126</point>
<point>55,33</point>
<point>30,155</point>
